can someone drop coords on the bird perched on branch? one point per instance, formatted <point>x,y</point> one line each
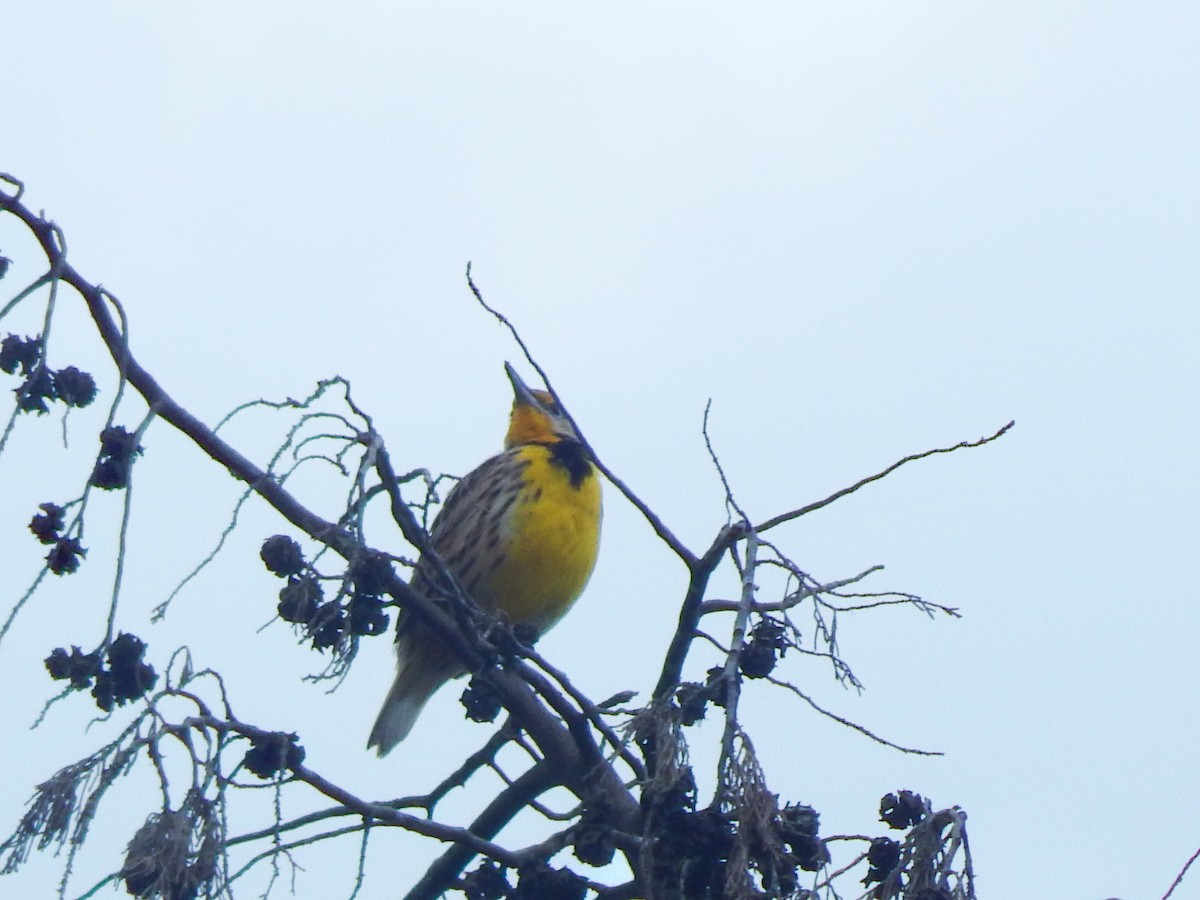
<point>519,534</point>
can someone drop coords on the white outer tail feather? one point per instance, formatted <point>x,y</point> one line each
<point>404,703</point>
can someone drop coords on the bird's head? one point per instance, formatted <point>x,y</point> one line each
<point>536,417</point>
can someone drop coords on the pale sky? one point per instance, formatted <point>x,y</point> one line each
<point>862,229</point>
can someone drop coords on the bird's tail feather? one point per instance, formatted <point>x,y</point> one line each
<point>421,673</point>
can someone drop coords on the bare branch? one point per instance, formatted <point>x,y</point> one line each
<point>441,875</point>
<point>793,599</point>
<point>837,495</point>
<point>852,725</point>
<point>484,756</point>
<point>1179,878</point>
<point>592,711</point>
<point>378,812</point>
<point>732,683</point>
<point>716,461</point>
<point>158,399</point>
<point>689,614</point>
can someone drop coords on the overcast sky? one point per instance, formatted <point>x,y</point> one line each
<point>862,229</point>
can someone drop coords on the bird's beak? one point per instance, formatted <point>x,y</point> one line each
<point>523,394</point>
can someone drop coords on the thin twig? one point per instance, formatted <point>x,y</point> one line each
<point>732,682</point>
<point>853,725</point>
<point>730,502</point>
<point>1179,878</point>
<point>837,495</point>
<point>793,599</point>
<point>157,398</point>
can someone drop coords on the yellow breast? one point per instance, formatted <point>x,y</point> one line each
<point>550,536</point>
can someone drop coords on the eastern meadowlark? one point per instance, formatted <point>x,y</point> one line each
<point>520,535</point>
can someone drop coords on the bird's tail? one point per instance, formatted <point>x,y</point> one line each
<point>422,670</point>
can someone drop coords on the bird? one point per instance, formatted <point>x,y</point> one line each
<point>520,533</point>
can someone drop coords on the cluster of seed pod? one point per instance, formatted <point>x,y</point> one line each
<point>302,600</point>
<point>116,674</point>
<point>42,385</point>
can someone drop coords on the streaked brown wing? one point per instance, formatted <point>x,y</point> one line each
<point>467,532</point>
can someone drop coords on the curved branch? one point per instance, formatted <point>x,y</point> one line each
<point>161,402</point>
<point>837,495</point>
<point>440,876</point>
<point>368,810</point>
<point>690,611</point>
<point>1179,878</point>
<point>794,599</point>
<point>852,725</point>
